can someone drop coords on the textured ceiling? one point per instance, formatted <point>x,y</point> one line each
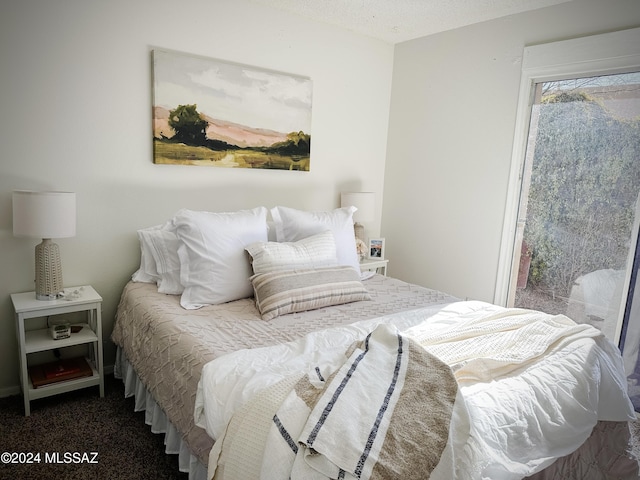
<point>396,21</point>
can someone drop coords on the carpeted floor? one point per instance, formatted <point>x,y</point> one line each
<point>80,423</point>
<point>68,426</point>
<point>635,437</point>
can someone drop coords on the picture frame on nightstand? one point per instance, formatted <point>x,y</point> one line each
<point>376,248</point>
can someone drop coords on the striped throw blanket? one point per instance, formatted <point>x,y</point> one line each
<point>385,413</point>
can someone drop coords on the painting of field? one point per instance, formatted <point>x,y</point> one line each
<point>209,112</point>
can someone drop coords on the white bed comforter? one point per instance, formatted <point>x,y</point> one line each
<point>532,385</point>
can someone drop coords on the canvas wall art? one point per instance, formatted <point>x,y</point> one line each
<point>216,113</point>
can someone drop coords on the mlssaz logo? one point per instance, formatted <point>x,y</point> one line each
<point>71,457</point>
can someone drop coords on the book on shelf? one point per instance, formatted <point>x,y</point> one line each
<point>59,371</point>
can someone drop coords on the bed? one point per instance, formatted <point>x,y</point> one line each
<point>234,320</point>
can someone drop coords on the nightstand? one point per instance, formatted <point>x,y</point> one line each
<point>77,299</point>
<point>377,265</point>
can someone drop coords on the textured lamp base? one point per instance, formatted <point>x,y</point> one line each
<point>358,230</point>
<point>49,284</point>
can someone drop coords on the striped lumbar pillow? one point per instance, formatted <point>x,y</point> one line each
<point>282,292</point>
<point>312,252</point>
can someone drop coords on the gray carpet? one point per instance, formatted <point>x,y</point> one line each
<point>83,422</point>
<point>635,437</point>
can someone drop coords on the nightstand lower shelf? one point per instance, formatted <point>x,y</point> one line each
<point>63,386</point>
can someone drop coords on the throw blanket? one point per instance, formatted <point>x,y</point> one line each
<point>385,413</point>
<point>531,388</point>
<point>491,343</point>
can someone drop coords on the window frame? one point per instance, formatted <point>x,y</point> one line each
<point>608,53</point>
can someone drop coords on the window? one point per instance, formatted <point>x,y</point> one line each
<point>608,54</point>
<point>570,235</point>
<point>580,187</point>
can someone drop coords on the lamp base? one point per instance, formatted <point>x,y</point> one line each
<point>358,230</point>
<point>48,296</point>
<point>49,284</point>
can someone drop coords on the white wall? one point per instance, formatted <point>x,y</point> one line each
<point>452,121</point>
<point>75,97</point>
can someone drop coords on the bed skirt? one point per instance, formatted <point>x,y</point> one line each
<point>156,418</point>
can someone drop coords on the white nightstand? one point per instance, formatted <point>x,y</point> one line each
<point>78,299</point>
<point>374,264</point>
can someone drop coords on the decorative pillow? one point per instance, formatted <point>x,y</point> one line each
<point>293,225</point>
<point>214,267</point>
<point>281,292</point>
<point>311,252</point>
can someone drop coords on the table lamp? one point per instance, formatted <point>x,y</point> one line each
<point>365,203</point>
<point>45,215</point>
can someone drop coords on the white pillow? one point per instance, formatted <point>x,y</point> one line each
<point>214,266</point>
<point>311,252</point>
<point>159,262</point>
<point>293,225</point>
<point>163,244</point>
<point>147,273</point>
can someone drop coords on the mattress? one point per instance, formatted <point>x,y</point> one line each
<point>168,346</point>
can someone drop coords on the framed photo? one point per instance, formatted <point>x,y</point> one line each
<point>376,248</point>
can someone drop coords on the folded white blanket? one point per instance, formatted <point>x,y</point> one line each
<point>486,345</point>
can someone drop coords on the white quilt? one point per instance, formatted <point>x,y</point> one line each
<point>533,385</point>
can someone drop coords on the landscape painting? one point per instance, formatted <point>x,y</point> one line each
<point>215,113</point>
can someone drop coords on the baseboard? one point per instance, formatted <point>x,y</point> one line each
<point>9,391</point>
<point>15,390</point>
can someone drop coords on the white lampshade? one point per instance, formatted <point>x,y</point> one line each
<point>365,202</point>
<point>45,215</point>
